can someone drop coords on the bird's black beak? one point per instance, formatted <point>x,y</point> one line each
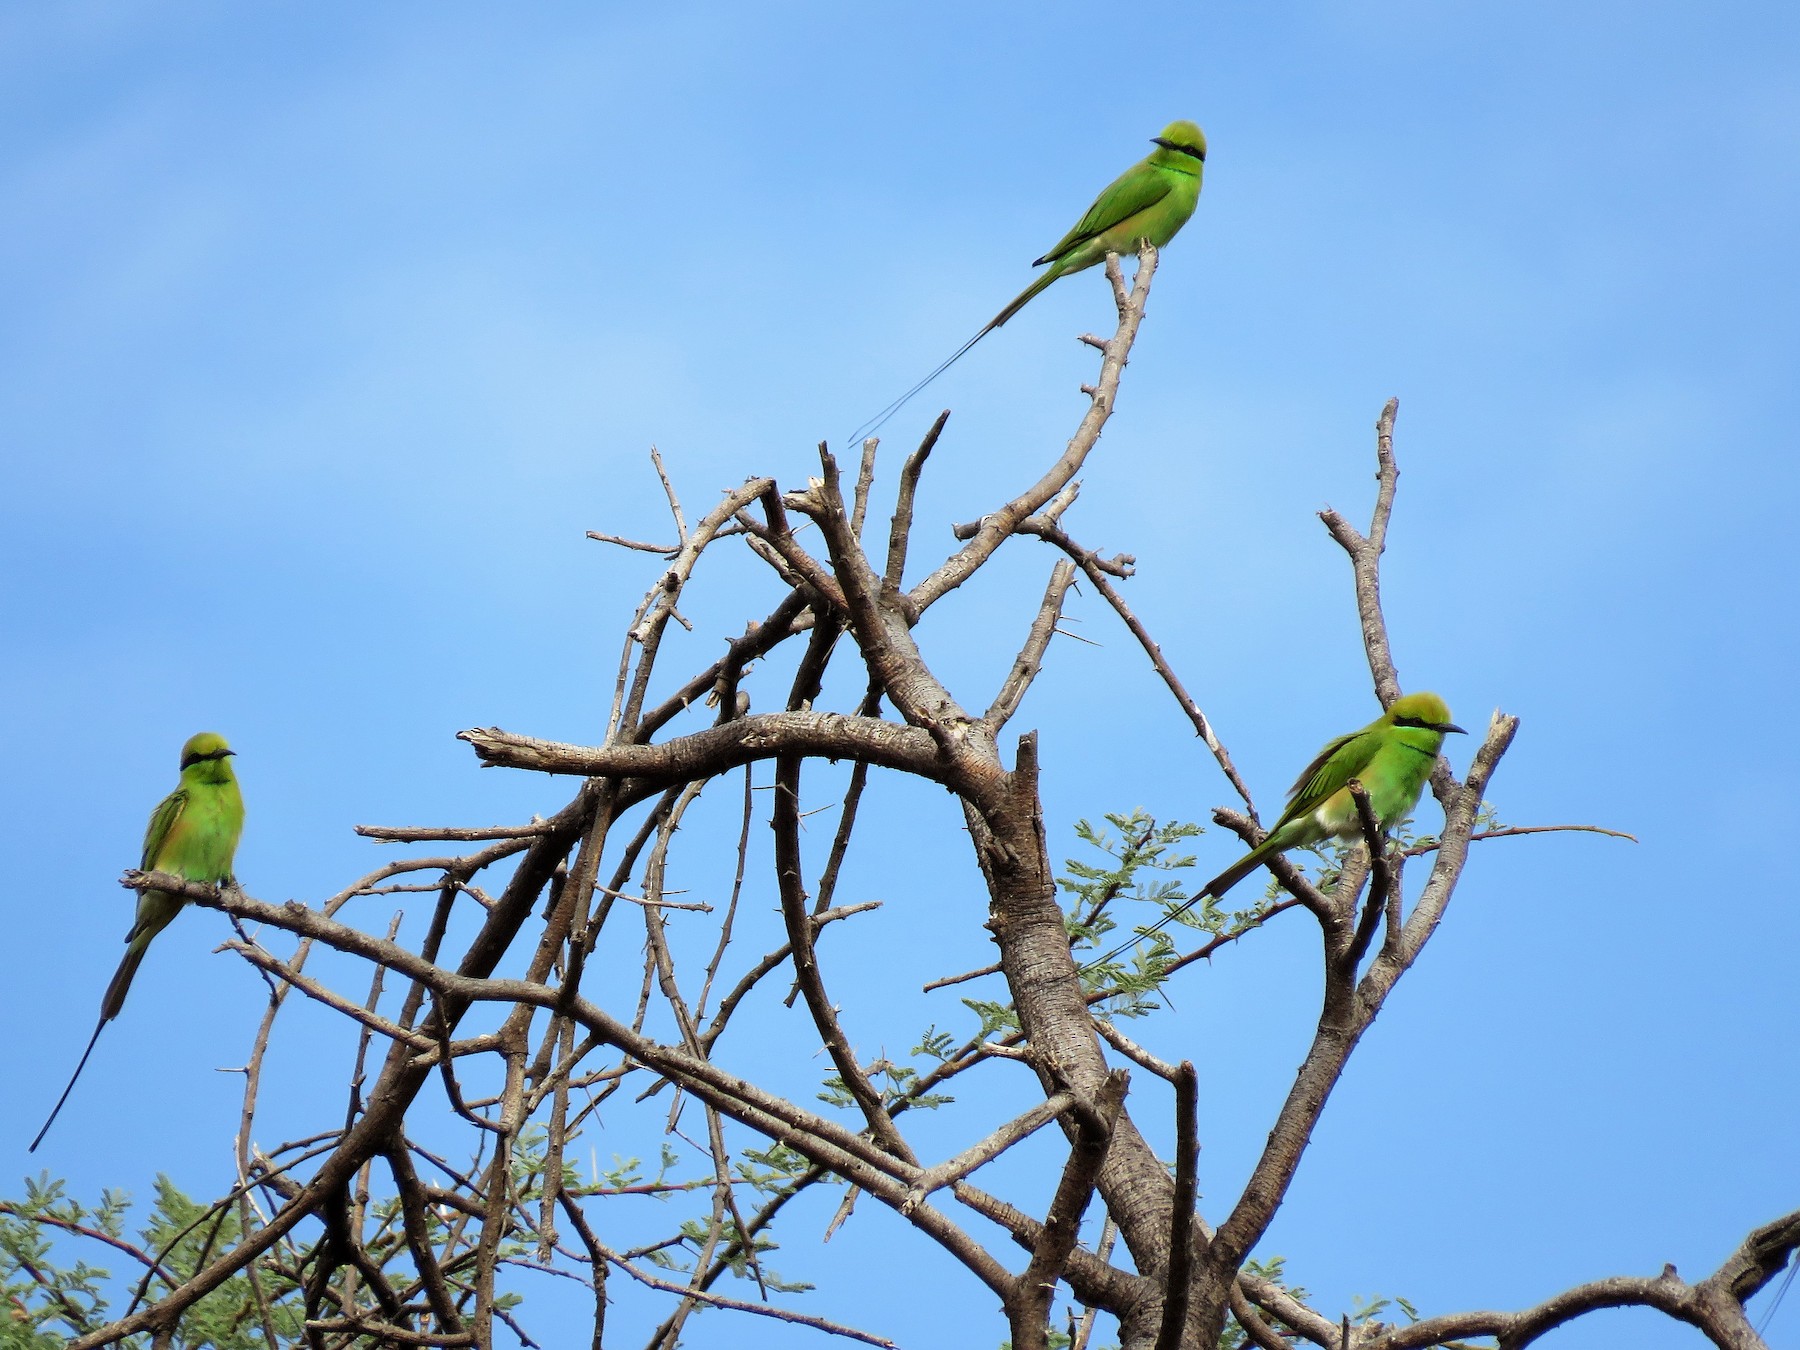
<point>1164,143</point>
<point>1449,727</point>
<point>223,753</point>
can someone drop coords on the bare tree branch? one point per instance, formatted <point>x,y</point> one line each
<point>900,529</point>
<point>1715,1305</point>
<point>1028,1305</point>
<point>1030,659</point>
<point>718,749</point>
<point>376,1253</point>
<point>1365,557</point>
<point>1181,1213</point>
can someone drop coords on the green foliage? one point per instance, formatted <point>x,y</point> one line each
<point>625,1174</point>
<point>37,1293</point>
<point>1363,1309</point>
<point>1273,1270</point>
<point>1367,1309</point>
<point>771,1169</point>
<point>896,1083</point>
<point>995,1017</point>
<point>47,1301</point>
<point>681,1255</point>
<point>530,1158</point>
<point>935,1044</point>
<point>1140,850</point>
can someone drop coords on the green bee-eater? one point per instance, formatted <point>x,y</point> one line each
<point>193,833</point>
<point>1151,200</point>
<point>1392,758</point>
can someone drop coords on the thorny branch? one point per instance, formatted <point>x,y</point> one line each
<point>545,1020</point>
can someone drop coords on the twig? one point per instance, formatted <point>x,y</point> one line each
<point>418,1240</point>
<point>667,550</point>
<point>699,906</point>
<point>273,965</point>
<point>771,961</point>
<point>840,839</point>
<point>993,968</point>
<point>1278,1302</point>
<point>1365,557</point>
<point>731,907</point>
<point>1109,1233</point>
<point>1030,659</point>
<point>367,1011</point>
<point>597,1263</point>
<point>151,1264</point>
<point>1096,572</point>
<point>978,1155</point>
<point>669,492</point>
<point>411,834</point>
<point>1181,1212</point>
<point>786,824</point>
<point>1134,1052</point>
<point>865,479</point>
<point>1508,831</point>
<point>659,604</point>
<point>1206,951</point>
<point>900,528</point>
<point>1028,1305</point>
<point>739,1305</point>
<point>1382,884</point>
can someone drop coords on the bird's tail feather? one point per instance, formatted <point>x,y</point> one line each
<point>875,423</point>
<point>1215,888</point>
<point>1240,869</point>
<point>1023,298</point>
<point>57,1109</point>
<point>880,419</point>
<point>114,998</point>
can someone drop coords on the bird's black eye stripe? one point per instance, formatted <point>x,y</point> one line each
<point>1193,150</point>
<point>201,759</point>
<point>1419,722</point>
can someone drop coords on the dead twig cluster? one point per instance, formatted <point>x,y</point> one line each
<point>502,1037</point>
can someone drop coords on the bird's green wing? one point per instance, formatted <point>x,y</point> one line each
<point>1139,187</point>
<point>1337,764</point>
<point>162,820</point>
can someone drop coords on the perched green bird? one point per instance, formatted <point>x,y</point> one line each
<point>193,833</point>
<point>1151,200</point>
<point>1392,758</point>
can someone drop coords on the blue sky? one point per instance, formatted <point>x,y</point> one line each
<point>329,329</point>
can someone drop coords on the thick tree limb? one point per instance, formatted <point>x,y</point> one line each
<point>718,749</point>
